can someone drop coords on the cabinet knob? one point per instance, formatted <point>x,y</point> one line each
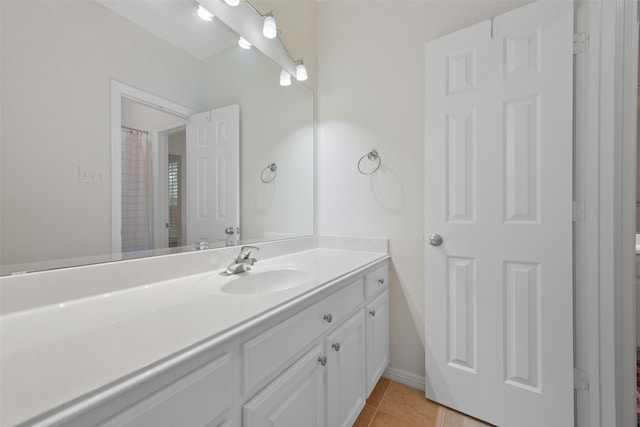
<point>381,281</point>
<point>328,317</point>
<point>336,346</point>
<point>372,313</point>
<point>322,360</point>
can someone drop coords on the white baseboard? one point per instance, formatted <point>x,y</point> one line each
<point>404,377</point>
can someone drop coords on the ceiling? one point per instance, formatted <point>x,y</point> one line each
<point>176,22</point>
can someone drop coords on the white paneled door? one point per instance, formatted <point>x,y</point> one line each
<point>213,174</point>
<point>498,191</point>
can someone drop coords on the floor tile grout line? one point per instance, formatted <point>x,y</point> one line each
<point>444,414</point>
<point>375,412</point>
<point>372,417</point>
<point>384,394</point>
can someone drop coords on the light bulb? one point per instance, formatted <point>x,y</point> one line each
<point>205,14</point>
<point>301,71</point>
<point>232,2</point>
<point>269,28</point>
<point>244,43</point>
<point>285,78</point>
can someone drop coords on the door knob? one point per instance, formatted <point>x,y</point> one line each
<point>435,239</point>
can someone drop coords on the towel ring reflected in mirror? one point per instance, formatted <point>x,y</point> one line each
<point>372,156</point>
<point>274,169</point>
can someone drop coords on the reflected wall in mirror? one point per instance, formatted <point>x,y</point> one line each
<point>58,61</point>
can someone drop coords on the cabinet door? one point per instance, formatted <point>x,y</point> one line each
<point>294,399</point>
<point>377,312</point>
<point>345,350</point>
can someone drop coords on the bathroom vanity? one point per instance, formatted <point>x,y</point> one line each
<point>205,349</point>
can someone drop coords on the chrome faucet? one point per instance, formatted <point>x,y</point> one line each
<point>242,263</point>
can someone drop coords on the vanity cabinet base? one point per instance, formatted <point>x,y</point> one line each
<point>312,365</point>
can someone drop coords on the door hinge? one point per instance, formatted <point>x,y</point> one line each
<point>579,43</point>
<point>578,211</point>
<point>580,381</point>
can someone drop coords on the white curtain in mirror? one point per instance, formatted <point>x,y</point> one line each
<point>136,224</point>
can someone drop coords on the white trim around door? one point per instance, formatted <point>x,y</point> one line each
<point>118,91</point>
<point>604,185</point>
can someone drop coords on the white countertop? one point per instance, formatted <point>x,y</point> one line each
<point>56,353</point>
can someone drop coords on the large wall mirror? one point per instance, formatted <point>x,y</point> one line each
<point>134,128</point>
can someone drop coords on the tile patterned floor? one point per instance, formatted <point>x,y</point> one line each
<point>392,404</point>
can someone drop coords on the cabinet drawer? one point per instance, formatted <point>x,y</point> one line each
<point>267,352</point>
<point>198,399</point>
<point>376,281</point>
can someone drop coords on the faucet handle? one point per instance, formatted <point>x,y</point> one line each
<point>245,252</point>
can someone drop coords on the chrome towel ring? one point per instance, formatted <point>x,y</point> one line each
<point>273,168</point>
<point>372,156</point>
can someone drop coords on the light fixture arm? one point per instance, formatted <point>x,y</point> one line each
<point>245,20</point>
<point>295,62</point>
<point>257,11</point>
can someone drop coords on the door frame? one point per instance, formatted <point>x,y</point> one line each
<point>160,185</point>
<point>605,170</point>
<point>121,90</point>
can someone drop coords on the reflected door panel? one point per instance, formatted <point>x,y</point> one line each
<point>213,164</point>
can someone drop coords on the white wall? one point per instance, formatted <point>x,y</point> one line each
<point>285,206</point>
<point>371,95</point>
<point>55,88</point>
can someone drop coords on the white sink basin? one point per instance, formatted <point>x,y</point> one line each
<point>261,279</point>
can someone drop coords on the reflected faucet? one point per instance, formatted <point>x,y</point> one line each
<point>242,263</point>
<point>201,244</point>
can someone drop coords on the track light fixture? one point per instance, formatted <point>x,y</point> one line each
<point>205,14</point>
<point>270,31</point>
<point>301,70</point>
<point>285,78</point>
<point>269,28</point>
<point>244,43</point>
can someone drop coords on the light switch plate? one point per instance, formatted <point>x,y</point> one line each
<point>90,176</point>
